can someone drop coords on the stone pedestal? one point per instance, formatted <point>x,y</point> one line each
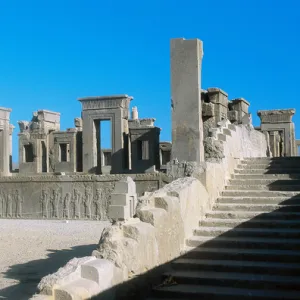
<point>187,125</point>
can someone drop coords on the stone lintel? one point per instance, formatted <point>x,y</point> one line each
<point>166,146</point>
<point>216,90</point>
<point>48,116</point>
<point>143,130</point>
<point>6,109</point>
<point>102,102</point>
<point>106,150</point>
<point>5,113</point>
<point>290,111</point>
<point>141,123</point>
<point>69,131</point>
<point>276,115</point>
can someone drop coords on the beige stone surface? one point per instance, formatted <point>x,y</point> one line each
<point>36,248</point>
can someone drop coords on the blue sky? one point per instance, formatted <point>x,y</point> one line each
<point>53,52</point>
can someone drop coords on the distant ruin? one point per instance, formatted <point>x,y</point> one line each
<point>70,175</point>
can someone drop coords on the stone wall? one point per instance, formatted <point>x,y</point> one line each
<point>65,197</point>
<point>225,148</point>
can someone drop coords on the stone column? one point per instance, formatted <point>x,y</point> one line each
<point>11,129</point>
<point>187,125</point>
<point>273,143</point>
<point>134,113</point>
<point>5,146</point>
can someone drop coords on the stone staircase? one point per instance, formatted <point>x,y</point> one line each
<point>249,244</point>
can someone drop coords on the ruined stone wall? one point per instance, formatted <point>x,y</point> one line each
<point>226,147</point>
<point>65,197</point>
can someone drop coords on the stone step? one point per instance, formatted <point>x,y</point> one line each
<point>242,266</point>
<point>258,215</point>
<point>191,291</point>
<point>272,187</point>
<point>259,193</point>
<point>271,166</point>
<point>266,176</point>
<point>244,242</point>
<point>264,171</point>
<point>264,181</point>
<point>272,159</point>
<point>257,207</point>
<point>260,200</point>
<point>240,254</point>
<point>238,280</point>
<point>252,223</point>
<point>247,232</point>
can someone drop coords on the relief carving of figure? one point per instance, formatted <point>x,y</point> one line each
<point>2,204</point>
<point>67,201</point>
<point>88,201</point>
<point>55,200</point>
<point>100,204</point>
<point>77,203</point>
<point>19,202</point>
<point>9,205</point>
<point>45,203</point>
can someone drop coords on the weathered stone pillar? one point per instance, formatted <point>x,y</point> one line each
<point>187,125</point>
<point>5,146</point>
<point>11,130</point>
<point>273,143</point>
<point>241,106</point>
<point>134,113</point>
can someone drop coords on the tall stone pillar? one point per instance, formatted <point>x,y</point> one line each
<point>5,147</point>
<point>11,129</point>
<point>187,125</point>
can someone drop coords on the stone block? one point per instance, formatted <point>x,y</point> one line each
<point>232,127</point>
<point>166,202</point>
<point>100,271</point>
<point>65,275</point>
<point>222,137</point>
<point>76,290</point>
<point>125,185</point>
<point>226,131</point>
<point>208,110</point>
<point>233,116</point>
<point>119,212</point>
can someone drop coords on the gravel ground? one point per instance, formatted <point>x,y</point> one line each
<point>31,249</point>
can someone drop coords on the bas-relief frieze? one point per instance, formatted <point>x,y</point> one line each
<point>11,204</point>
<point>44,199</point>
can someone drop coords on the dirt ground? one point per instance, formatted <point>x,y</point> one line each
<point>31,249</point>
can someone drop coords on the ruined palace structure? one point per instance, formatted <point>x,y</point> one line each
<point>68,174</point>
